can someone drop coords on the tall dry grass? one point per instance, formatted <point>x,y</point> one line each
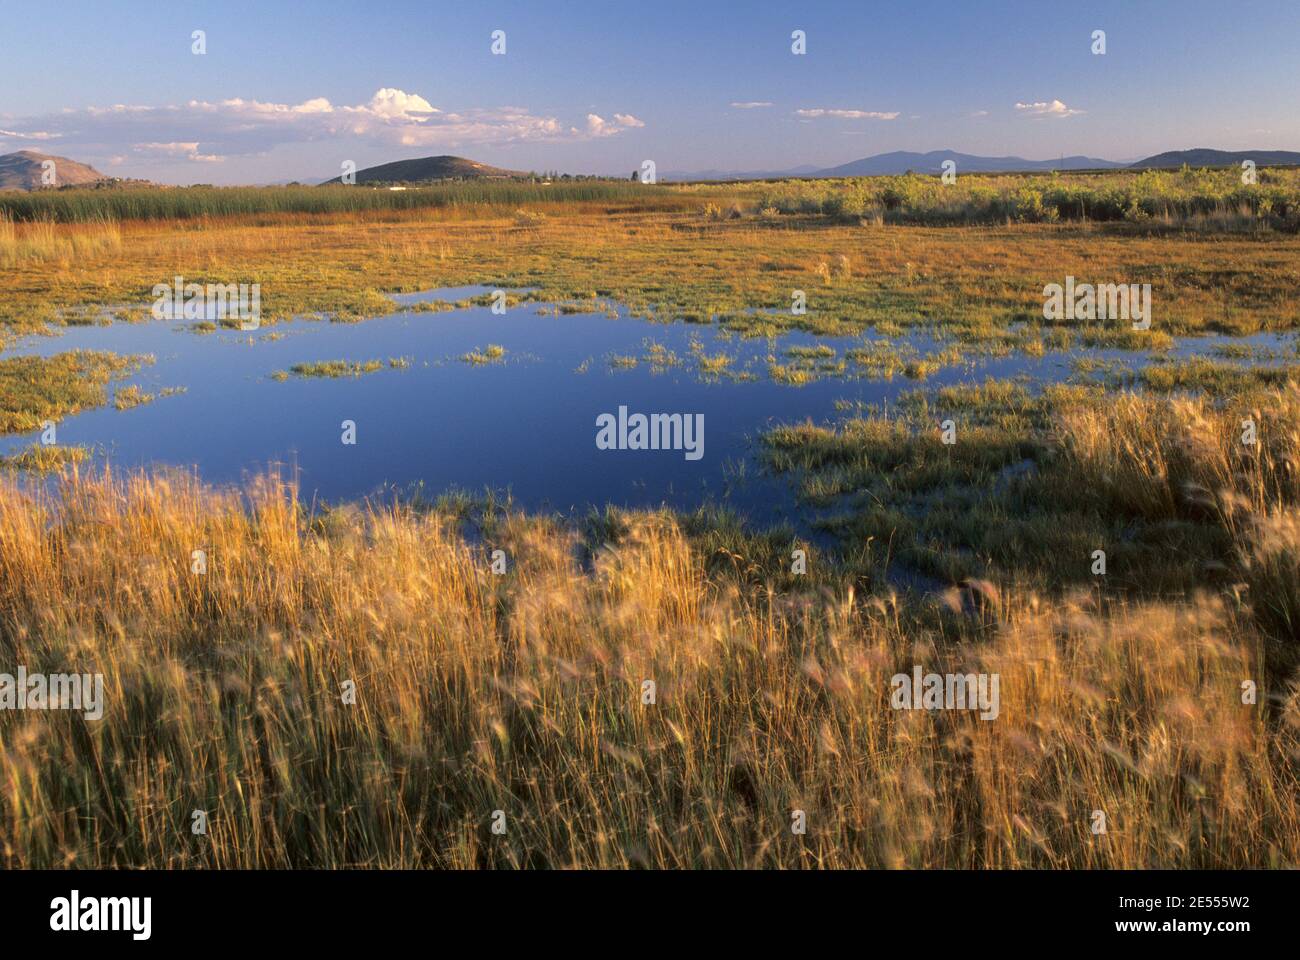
<point>44,241</point>
<point>523,693</point>
<point>1185,458</point>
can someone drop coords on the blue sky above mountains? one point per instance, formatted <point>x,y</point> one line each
<point>290,91</point>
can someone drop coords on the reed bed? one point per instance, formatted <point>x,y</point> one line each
<point>186,203</point>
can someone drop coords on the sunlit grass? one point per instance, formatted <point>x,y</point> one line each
<point>35,389</point>
<point>492,353</point>
<point>227,692</point>
<point>42,242</point>
<point>43,458</point>
<point>974,282</point>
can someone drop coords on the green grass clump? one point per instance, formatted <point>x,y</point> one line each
<point>334,369</point>
<point>36,389</point>
<point>45,458</point>
<point>492,353</point>
<point>714,364</point>
<point>131,396</point>
<point>430,306</point>
<point>1215,377</point>
<point>790,375</point>
<point>817,352</point>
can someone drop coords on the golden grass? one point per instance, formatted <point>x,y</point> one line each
<point>40,458</point>
<point>977,280</point>
<point>64,245</point>
<point>522,693</point>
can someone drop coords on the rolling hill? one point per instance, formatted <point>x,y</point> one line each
<point>1205,157</point>
<point>22,171</point>
<point>429,168</point>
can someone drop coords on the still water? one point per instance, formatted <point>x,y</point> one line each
<point>525,424</point>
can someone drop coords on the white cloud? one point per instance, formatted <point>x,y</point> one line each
<point>393,104</point>
<point>597,126</point>
<point>32,135</point>
<point>750,104</point>
<point>1046,108</point>
<point>182,150</point>
<point>846,114</point>
<point>980,113</point>
<point>174,149</point>
<point>238,128</point>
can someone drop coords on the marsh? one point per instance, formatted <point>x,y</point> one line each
<point>436,409</point>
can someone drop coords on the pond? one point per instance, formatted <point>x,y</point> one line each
<point>522,421</point>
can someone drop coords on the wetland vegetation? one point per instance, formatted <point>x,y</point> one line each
<point>520,690</point>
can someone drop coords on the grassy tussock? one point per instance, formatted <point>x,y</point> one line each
<point>521,693</point>
<point>39,458</point>
<point>492,353</point>
<point>334,369</point>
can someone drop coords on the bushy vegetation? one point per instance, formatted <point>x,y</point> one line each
<point>1210,197</point>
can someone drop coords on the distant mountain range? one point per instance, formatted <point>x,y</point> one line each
<point>902,161</point>
<point>429,168</point>
<point>23,171</point>
<point>932,162</point>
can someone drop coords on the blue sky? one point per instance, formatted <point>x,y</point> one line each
<point>291,90</point>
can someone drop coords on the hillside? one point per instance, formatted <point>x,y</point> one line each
<point>429,168</point>
<point>22,171</point>
<point>901,161</point>
<point>1204,157</point>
